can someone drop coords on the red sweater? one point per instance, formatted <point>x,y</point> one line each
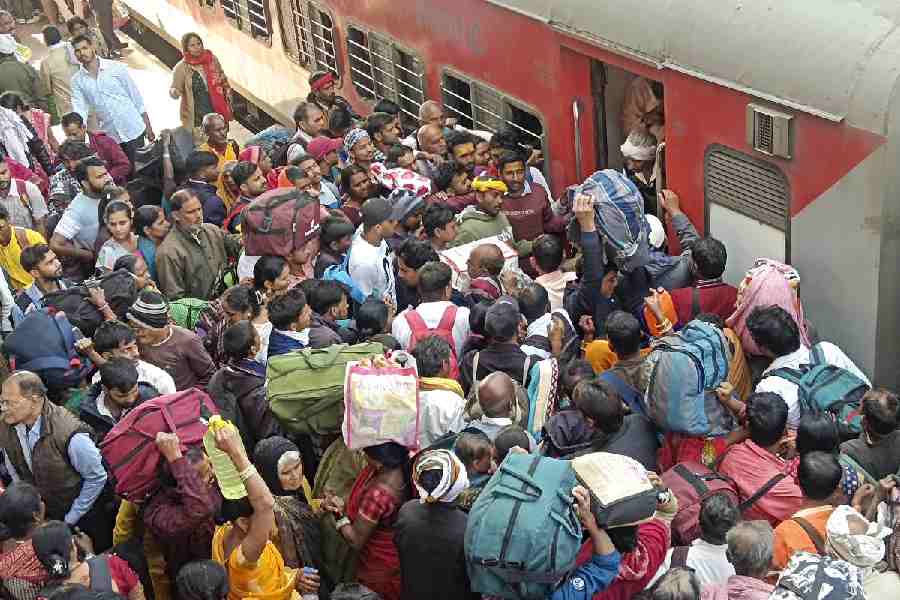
<point>716,298</point>
<point>530,214</point>
<point>111,153</point>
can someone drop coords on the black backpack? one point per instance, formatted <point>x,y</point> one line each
<point>121,292</point>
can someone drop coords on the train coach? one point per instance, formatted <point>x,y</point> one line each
<point>781,118</point>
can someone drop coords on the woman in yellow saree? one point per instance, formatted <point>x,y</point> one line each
<point>255,567</point>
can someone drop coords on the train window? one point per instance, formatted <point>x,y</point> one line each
<point>250,16</point>
<point>751,187</point>
<point>479,106</point>
<point>308,34</point>
<point>379,68</point>
<point>206,3</point>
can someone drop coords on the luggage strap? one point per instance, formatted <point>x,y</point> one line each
<point>695,303</point>
<point>100,576</point>
<point>746,504</point>
<point>679,557</point>
<point>419,329</point>
<point>812,533</point>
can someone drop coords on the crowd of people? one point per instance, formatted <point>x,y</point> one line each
<point>537,325</point>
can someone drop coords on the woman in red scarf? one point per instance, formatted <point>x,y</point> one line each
<point>201,84</point>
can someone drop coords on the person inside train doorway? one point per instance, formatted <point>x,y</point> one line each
<point>639,152</point>
<point>105,88</point>
<point>322,85</point>
<point>644,105</point>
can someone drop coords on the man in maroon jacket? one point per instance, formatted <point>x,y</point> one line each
<point>106,148</point>
<point>708,294</point>
<point>526,205</point>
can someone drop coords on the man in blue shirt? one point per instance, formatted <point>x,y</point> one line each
<point>291,317</point>
<point>105,88</point>
<point>48,447</point>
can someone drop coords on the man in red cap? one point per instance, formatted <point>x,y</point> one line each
<point>322,93</point>
<point>325,151</point>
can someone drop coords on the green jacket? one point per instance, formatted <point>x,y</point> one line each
<point>476,225</point>
<point>191,267</point>
<point>21,77</point>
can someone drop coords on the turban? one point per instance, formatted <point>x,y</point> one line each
<point>453,476</point>
<point>353,137</point>
<point>483,184</point>
<point>322,82</point>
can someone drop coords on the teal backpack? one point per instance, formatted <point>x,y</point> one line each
<point>826,388</point>
<point>523,535</point>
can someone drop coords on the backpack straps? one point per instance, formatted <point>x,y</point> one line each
<point>100,576</point>
<point>21,237</point>
<point>22,192</point>
<point>679,557</point>
<point>695,303</point>
<point>817,355</point>
<point>448,320</point>
<point>417,327</point>
<point>749,502</point>
<point>812,533</point>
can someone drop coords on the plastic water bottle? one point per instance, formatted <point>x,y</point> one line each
<point>226,474</point>
<point>310,595</point>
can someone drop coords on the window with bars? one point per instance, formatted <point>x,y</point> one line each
<point>479,106</point>
<point>379,68</point>
<point>250,16</point>
<point>206,3</point>
<point>308,33</point>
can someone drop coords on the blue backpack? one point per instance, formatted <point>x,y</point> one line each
<point>687,368</point>
<point>522,535</point>
<point>341,274</point>
<point>44,343</point>
<point>825,388</point>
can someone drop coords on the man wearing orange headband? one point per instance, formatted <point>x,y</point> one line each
<point>322,85</point>
<point>485,219</point>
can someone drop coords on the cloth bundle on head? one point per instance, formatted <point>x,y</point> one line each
<point>768,283</point>
<point>454,479</point>
<point>319,81</point>
<point>860,549</point>
<point>150,310</point>
<point>270,455</point>
<point>401,179</point>
<point>636,148</point>
<point>657,235</point>
<point>353,137</point>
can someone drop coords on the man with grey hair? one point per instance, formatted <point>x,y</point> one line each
<point>46,446</point>
<point>750,547</point>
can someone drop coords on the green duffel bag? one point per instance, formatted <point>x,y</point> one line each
<point>306,387</point>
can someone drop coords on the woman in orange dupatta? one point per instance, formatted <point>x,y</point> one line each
<point>255,566</point>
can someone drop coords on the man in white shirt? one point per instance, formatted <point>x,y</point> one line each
<point>775,332</point>
<point>371,264</point>
<point>433,315</point>
<point>706,556</point>
<point>442,407</point>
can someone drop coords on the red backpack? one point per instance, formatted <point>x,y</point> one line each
<point>692,483</point>
<point>130,451</point>
<point>444,330</point>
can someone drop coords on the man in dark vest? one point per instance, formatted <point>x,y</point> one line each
<point>47,446</point>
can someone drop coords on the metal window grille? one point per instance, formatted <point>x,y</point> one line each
<point>381,69</point>
<point>478,106</point>
<point>206,3</point>
<point>746,185</point>
<point>250,16</point>
<point>308,34</point>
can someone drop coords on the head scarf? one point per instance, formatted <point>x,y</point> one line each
<point>216,82</point>
<point>768,283</point>
<point>317,83</point>
<point>454,479</point>
<point>228,197</point>
<point>353,137</point>
<point>632,150</point>
<point>484,183</point>
<point>864,549</point>
<point>251,154</point>
<point>268,455</point>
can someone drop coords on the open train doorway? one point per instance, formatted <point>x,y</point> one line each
<point>625,102</point>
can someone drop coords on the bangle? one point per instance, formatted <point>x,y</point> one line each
<point>341,522</point>
<point>248,473</point>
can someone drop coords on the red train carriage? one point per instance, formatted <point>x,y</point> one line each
<point>781,117</point>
